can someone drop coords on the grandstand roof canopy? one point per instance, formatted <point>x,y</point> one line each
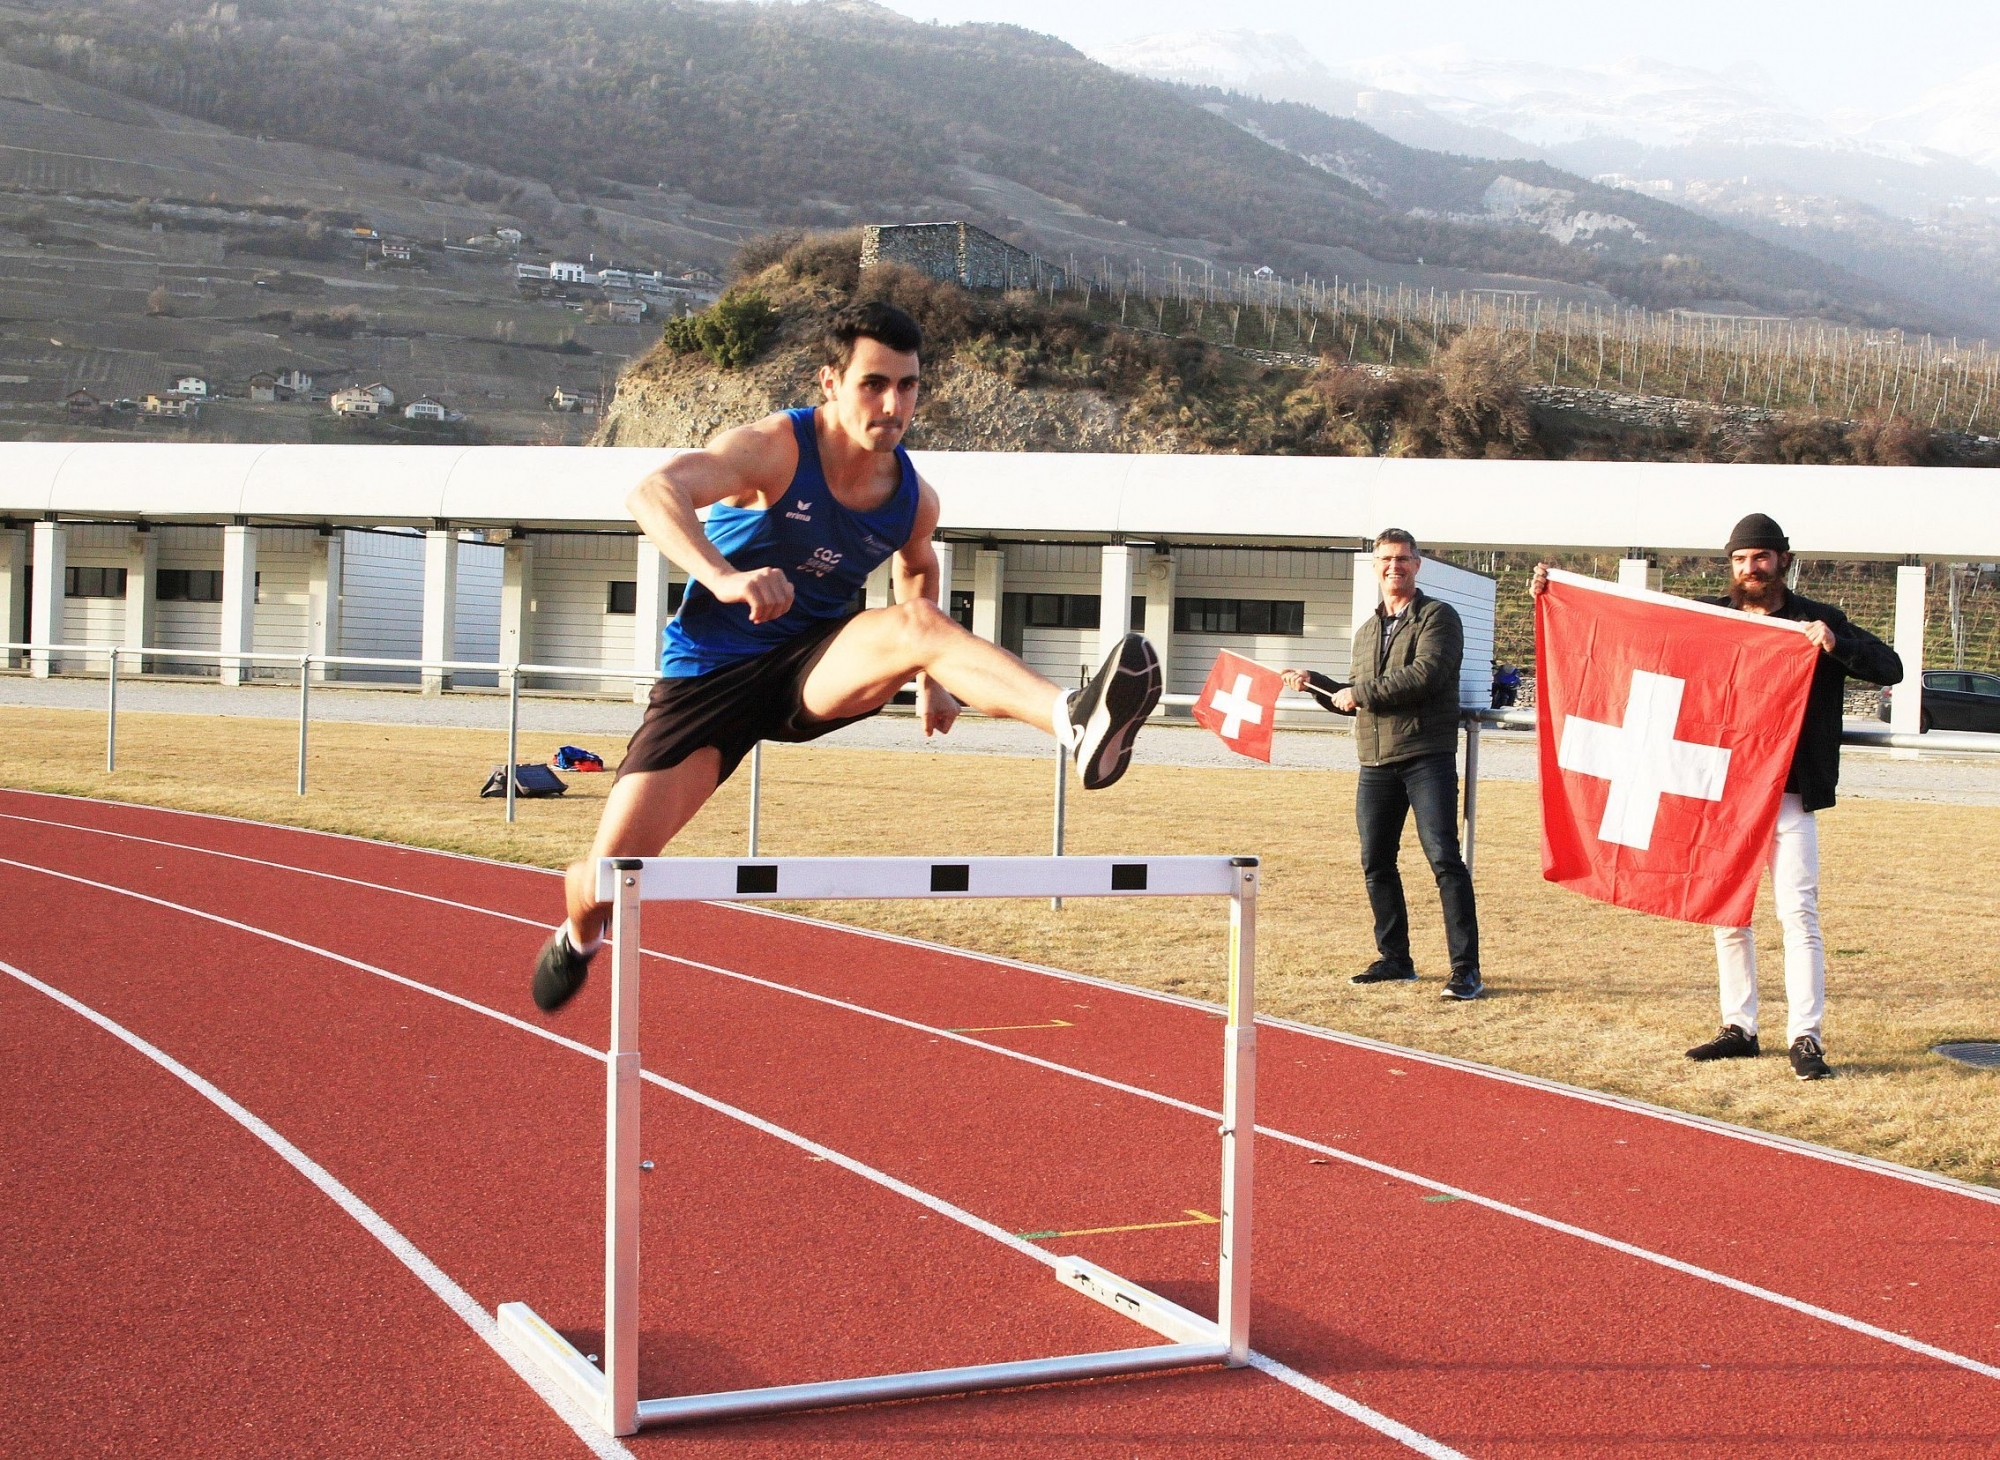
<point>1941,514</point>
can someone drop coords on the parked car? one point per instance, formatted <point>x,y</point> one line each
<point>1956,700</point>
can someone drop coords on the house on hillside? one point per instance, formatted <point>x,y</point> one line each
<point>82,403</point>
<point>427,408</point>
<point>627,311</point>
<point>583,402</point>
<point>615,279</point>
<point>564,272</point>
<point>356,401</point>
<point>377,392</point>
<point>294,383</point>
<point>397,253</point>
<point>525,273</point>
<point>194,387</point>
<point>509,236</point>
<point>169,407</point>
<point>263,388</point>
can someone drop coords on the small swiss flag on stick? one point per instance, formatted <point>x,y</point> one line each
<point>1239,702</point>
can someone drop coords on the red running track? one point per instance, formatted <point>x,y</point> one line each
<point>1448,1259</point>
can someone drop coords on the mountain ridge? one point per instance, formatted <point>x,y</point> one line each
<point>836,113</point>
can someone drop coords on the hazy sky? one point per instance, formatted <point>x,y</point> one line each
<point>1824,56</point>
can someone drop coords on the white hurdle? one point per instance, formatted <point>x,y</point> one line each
<point>611,1394</point>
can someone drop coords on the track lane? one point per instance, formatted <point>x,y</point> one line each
<point>1889,1252</point>
<point>1577,1361</point>
<point>156,1254</point>
<point>879,1298</point>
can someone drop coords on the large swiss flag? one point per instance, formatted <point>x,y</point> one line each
<point>1240,703</point>
<point>1666,732</point>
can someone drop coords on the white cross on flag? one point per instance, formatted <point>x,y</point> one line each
<point>1239,702</point>
<point>1667,730</point>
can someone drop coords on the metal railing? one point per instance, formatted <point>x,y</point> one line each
<point>305,664</point>
<point>1475,721</point>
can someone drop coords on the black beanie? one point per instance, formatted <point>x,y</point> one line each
<point>1758,531</point>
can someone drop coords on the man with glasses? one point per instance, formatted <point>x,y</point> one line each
<point>1404,700</point>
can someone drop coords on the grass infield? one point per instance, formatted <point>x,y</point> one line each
<point>1587,994</point>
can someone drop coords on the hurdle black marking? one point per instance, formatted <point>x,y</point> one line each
<point>612,1393</point>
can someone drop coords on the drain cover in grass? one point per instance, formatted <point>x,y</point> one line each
<point>1983,1056</point>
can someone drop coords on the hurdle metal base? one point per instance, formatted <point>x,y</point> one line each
<point>1196,1342</point>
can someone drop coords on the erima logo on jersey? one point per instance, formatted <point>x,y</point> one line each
<point>822,562</point>
<point>801,511</point>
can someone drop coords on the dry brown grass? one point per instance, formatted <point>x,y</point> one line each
<point>1581,993</point>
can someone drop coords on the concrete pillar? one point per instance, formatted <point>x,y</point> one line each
<point>1161,576</point>
<point>989,587</point>
<point>141,597</point>
<point>323,582</point>
<point>239,600</point>
<point>517,602</point>
<point>45,613</point>
<point>1114,603</point>
<point>649,617</point>
<point>1638,572</point>
<point>440,603</point>
<point>1906,705</point>
<point>881,585</point>
<point>943,551</point>
<point>13,593</point>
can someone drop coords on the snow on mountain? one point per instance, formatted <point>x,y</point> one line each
<point>1645,101</point>
<point>1256,62</point>
<point>1961,117</point>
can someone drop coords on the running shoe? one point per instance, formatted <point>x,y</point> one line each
<point>559,972</point>
<point>1466,986</point>
<point>1731,1044</point>
<point>1809,1060</point>
<point>1105,715</point>
<point>1385,970</point>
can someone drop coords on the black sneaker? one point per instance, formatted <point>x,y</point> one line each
<point>1731,1044</point>
<point>1383,970</point>
<point>1464,986</point>
<point>1105,715</point>
<point>559,972</point>
<point>1809,1060</point>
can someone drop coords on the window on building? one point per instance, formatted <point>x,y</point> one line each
<point>1239,616</point>
<point>188,585</point>
<point>621,596</point>
<point>93,582</point>
<point>1059,610</point>
<point>961,608</point>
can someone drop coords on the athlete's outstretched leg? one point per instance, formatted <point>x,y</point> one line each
<point>875,654</point>
<point>644,811</point>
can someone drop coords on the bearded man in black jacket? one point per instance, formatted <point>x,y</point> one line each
<point>1760,558</point>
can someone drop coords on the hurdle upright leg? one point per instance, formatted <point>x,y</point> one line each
<point>621,1176</point>
<point>1239,1116</point>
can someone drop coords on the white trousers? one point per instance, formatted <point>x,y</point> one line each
<point>1794,862</point>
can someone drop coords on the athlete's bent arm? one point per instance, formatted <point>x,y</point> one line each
<point>917,574</point>
<point>746,467</point>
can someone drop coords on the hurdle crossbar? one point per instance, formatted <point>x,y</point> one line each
<point>611,1393</point>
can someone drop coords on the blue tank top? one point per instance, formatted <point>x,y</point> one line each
<point>826,550</point>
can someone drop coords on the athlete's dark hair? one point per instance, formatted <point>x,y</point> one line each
<point>1397,535</point>
<point>872,321</point>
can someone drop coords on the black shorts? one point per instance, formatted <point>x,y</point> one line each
<point>734,707</point>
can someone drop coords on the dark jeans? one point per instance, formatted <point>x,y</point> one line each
<point>1428,785</point>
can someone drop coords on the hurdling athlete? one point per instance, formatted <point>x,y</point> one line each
<point>802,506</point>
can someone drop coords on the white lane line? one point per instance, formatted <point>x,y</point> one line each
<point>1283,1373</point>
<point>400,1247</point>
<point>1584,1234</point>
<point>1932,1180</point>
